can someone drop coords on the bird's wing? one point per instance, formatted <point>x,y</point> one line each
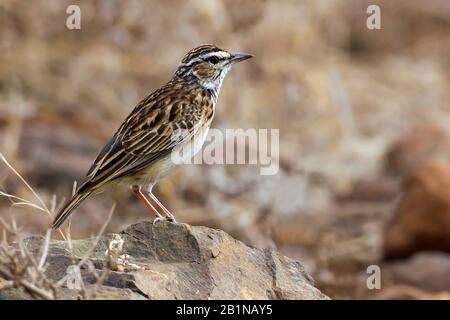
<point>148,134</point>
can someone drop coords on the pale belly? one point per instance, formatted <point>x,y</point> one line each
<point>149,176</point>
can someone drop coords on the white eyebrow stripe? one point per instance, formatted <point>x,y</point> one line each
<point>219,54</point>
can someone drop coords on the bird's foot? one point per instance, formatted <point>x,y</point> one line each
<point>170,217</point>
<point>157,219</point>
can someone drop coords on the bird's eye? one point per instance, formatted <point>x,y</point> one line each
<point>213,59</point>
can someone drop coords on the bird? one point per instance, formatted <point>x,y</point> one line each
<point>140,152</point>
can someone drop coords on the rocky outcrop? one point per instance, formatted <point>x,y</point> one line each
<point>414,148</point>
<point>427,271</point>
<point>422,219</point>
<point>423,276</point>
<point>172,261</point>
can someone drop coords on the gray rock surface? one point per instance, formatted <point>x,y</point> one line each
<point>174,261</point>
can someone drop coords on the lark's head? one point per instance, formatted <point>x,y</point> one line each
<point>209,64</point>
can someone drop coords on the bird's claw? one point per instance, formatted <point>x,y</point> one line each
<point>157,219</point>
<point>170,217</point>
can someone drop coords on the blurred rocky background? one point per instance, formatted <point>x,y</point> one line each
<point>363,115</point>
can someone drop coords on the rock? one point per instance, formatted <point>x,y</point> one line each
<point>422,276</point>
<point>427,271</point>
<point>176,261</point>
<point>415,147</point>
<point>409,293</point>
<point>376,190</point>
<point>422,219</point>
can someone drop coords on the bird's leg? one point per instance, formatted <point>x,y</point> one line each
<point>169,216</point>
<point>138,192</point>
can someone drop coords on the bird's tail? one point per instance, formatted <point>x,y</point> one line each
<point>64,213</point>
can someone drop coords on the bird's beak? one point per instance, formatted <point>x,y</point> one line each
<point>240,56</point>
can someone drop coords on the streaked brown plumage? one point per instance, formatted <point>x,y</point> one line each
<point>139,153</point>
